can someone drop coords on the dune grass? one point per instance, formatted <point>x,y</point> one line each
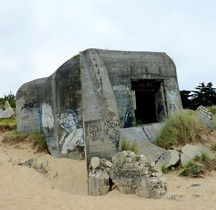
<point>212,109</point>
<point>183,128</point>
<point>126,145</point>
<point>36,139</point>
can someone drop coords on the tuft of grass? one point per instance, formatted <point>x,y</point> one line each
<point>139,122</point>
<point>202,158</point>
<point>125,146</point>
<point>14,137</point>
<point>191,169</point>
<point>9,121</point>
<point>164,169</point>
<point>212,109</point>
<point>76,56</point>
<point>38,142</point>
<point>180,129</point>
<point>213,147</point>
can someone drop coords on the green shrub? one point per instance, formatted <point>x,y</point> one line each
<point>125,145</point>
<point>180,129</point>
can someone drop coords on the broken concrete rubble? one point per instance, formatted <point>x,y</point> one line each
<point>131,173</point>
<point>98,180</point>
<point>135,174</point>
<point>143,138</point>
<point>145,144</point>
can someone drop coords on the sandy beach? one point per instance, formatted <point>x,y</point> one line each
<point>64,186</point>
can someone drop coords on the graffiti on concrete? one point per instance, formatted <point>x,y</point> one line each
<point>103,131</point>
<point>31,106</point>
<point>160,111</point>
<point>172,92</point>
<point>121,90</point>
<point>112,132</point>
<point>71,135</point>
<point>47,116</point>
<point>128,119</point>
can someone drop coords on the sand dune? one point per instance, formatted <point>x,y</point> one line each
<point>65,186</point>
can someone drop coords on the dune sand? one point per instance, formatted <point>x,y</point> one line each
<point>65,186</point>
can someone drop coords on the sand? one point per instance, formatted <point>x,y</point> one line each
<point>65,186</point>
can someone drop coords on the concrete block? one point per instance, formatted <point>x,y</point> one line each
<point>190,151</point>
<point>168,158</point>
<point>98,184</point>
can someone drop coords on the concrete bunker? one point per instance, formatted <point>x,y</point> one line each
<point>87,105</point>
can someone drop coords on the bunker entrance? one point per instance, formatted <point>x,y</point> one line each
<point>145,100</point>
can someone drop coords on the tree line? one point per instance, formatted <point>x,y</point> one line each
<point>202,95</point>
<point>11,98</point>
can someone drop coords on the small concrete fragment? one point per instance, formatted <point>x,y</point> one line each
<point>95,162</point>
<point>105,163</point>
<point>168,158</point>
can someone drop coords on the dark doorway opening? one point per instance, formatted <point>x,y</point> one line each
<point>145,96</point>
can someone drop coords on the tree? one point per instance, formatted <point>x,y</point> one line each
<point>204,95</point>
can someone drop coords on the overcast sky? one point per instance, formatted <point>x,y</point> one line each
<point>37,36</point>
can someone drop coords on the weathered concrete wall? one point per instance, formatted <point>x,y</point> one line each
<point>124,67</point>
<point>100,112</point>
<point>91,97</point>
<point>53,106</point>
